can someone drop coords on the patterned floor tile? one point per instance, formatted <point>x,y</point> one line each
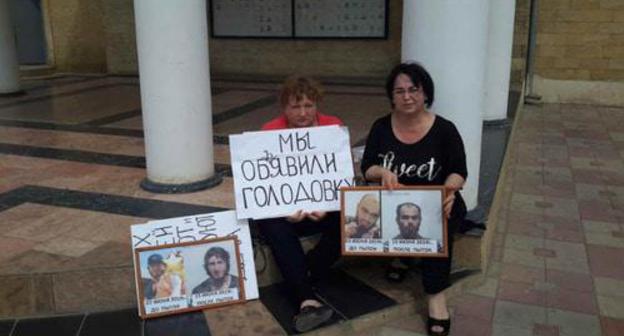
<point>561,189</point>
<point>557,222</point>
<point>605,239</point>
<point>524,258</point>
<point>526,203</point>
<point>35,262</point>
<point>610,296</point>
<point>415,324</point>
<point>470,326</point>
<point>570,280</point>
<point>488,288</point>
<point>389,331</point>
<point>476,307</point>
<point>566,165</point>
<point>66,325</point>
<point>586,176</point>
<point>66,246</point>
<point>613,177</point>
<point>562,234</point>
<point>518,315</point>
<point>543,252</point>
<point>562,207</point>
<point>571,300</point>
<point>594,210</point>
<point>521,293</point>
<point>606,261</point>
<point>609,287</point>
<point>120,323</point>
<point>545,330</point>
<point>12,247</point>
<point>523,223</point>
<point>251,318</point>
<point>108,254</point>
<point>522,242</point>
<point>520,273</point>
<point>372,273</point>
<point>591,192</point>
<point>188,324</point>
<point>6,326</point>
<point>569,257</point>
<point>612,327</point>
<point>611,306</point>
<point>102,289</point>
<point>574,324</point>
<point>504,330</point>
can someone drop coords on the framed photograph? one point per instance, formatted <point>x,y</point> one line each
<point>178,278</point>
<point>406,222</point>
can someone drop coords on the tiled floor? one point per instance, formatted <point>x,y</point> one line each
<point>71,163</point>
<point>557,266</point>
<point>71,159</point>
<point>557,263</point>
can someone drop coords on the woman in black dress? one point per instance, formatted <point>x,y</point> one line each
<point>414,146</point>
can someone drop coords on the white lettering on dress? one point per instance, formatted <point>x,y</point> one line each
<point>427,170</point>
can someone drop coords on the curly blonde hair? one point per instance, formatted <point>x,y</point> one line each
<point>298,86</point>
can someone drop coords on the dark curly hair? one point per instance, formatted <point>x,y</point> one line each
<point>220,253</point>
<point>419,76</point>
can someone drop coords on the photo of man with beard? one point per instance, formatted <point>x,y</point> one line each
<point>408,218</point>
<point>217,266</point>
<point>365,222</point>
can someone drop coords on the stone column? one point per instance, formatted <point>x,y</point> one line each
<point>9,66</point>
<point>497,73</point>
<point>449,38</point>
<point>172,47</point>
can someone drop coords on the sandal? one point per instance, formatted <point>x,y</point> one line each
<point>444,324</point>
<point>396,274</point>
<point>311,317</point>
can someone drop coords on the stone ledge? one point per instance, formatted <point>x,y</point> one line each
<point>580,92</point>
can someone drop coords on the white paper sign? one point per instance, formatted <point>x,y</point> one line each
<point>166,304</point>
<point>414,246</point>
<point>201,227</point>
<point>277,173</point>
<point>365,245</point>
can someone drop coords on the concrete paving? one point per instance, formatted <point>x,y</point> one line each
<point>71,160</point>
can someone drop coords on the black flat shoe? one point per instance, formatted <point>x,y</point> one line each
<point>445,325</point>
<point>311,317</point>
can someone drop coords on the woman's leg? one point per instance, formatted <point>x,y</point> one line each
<point>436,278</point>
<point>283,240</point>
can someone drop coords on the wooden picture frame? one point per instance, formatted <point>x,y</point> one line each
<point>185,282</point>
<point>403,222</point>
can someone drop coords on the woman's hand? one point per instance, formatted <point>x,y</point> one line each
<point>389,179</point>
<point>300,215</point>
<point>453,183</point>
<point>316,216</point>
<point>385,176</point>
<point>448,202</point>
<point>296,217</point>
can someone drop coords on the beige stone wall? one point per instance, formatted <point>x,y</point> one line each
<point>581,40</point>
<point>266,57</point>
<point>520,43</point>
<point>77,35</point>
<point>342,58</point>
<point>121,54</point>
